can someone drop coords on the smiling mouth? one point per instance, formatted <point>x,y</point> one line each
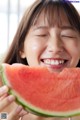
<point>57,63</point>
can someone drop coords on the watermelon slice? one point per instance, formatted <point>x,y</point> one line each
<point>42,92</point>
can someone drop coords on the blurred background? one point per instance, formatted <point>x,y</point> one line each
<point>11,12</point>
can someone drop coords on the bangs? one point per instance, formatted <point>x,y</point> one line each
<point>53,13</point>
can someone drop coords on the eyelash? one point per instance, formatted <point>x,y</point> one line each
<point>66,36</point>
<point>42,35</point>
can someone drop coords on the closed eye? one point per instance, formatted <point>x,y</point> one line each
<point>42,35</point>
<point>67,36</point>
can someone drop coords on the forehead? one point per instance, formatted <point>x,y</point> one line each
<point>51,18</point>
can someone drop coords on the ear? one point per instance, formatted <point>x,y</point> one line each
<point>22,54</point>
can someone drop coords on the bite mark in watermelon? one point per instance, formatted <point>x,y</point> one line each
<point>42,92</point>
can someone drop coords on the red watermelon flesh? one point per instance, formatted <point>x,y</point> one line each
<point>42,92</point>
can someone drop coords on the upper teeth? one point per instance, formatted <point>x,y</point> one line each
<point>53,62</point>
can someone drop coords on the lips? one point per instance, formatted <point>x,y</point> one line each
<point>56,63</point>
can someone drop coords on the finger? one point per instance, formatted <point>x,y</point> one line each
<point>2,97</point>
<point>3,90</point>
<point>14,115</point>
<point>23,112</point>
<point>6,101</point>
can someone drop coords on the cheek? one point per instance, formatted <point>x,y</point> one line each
<point>33,51</point>
<point>74,47</point>
<point>33,47</point>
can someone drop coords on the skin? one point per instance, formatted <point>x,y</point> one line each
<point>52,46</point>
<point>55,47</point>
<point>7,103</point>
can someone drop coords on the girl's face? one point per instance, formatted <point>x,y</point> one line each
<point>55,47</point>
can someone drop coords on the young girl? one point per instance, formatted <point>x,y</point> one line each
<point>48,35</point>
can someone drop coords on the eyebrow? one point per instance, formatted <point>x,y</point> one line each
<point>67,27</point>
<point>40,27</point>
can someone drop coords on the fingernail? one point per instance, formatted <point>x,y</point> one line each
<point>19,108</point>
<point>11,98</point>
<point>3,89</point>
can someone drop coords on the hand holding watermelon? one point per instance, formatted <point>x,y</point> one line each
<point>6,100</point>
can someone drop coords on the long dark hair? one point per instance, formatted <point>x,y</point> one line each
<point>31,16</point>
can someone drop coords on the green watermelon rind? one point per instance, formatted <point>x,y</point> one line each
<point>29,107</point>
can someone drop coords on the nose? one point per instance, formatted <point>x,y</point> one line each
<point>55,44</point>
